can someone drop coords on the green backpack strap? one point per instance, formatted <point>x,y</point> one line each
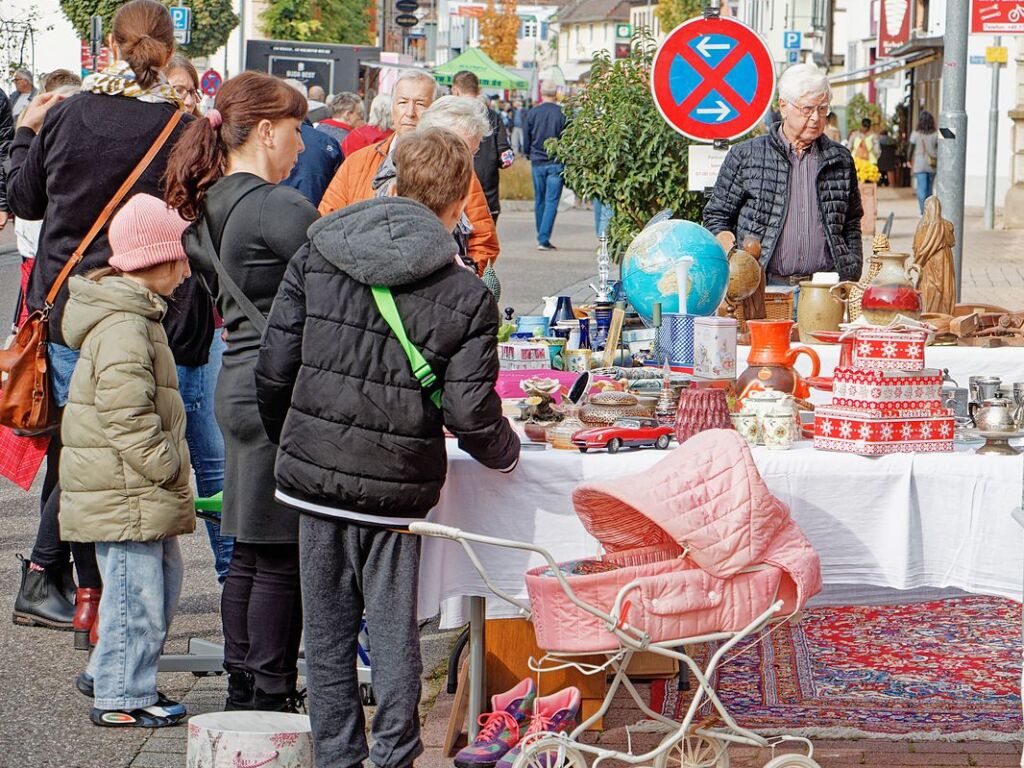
<point>420,367</point>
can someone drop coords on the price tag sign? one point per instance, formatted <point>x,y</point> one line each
<point>703,165</point>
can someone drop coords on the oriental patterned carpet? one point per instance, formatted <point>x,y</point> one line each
<point>949,669</point>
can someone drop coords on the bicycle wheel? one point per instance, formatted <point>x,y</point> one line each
<point>695,751</point>
<point>550,752</point>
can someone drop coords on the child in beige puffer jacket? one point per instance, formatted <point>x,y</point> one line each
<point>124,470</point>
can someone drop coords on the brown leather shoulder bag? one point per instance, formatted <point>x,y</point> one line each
<point>25,402</point>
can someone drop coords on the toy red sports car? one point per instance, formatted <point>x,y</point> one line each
<point>624,432</point>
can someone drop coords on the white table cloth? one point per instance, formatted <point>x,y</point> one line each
<point>962,362</point>
<point>901,521</point>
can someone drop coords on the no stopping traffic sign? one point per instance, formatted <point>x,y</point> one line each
<point>713,79</point>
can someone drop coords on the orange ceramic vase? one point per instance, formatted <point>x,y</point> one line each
<point>771,360</point>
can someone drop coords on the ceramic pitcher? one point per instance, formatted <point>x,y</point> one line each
<point>771,360</point>
<point>819,309</point>
<point>893,291</point>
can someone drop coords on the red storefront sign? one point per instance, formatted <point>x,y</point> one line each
<point>893,26</point>
<point>997,17</point>
<point>102,61</point>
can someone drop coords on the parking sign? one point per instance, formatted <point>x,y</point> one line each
<point>791,40</point>
<point>181,17</point>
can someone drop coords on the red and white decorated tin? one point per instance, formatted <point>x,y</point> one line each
<point>853,431</point>
<point>888,393</point>
<point>885,350</point>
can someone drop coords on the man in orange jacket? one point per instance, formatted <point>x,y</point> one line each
<point>414,91</point>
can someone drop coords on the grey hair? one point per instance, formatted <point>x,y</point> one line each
<point>548,88</point>
<point>803,80</point>
<point>419,74</point>
<point>24,73</point>
<point>464,115</point>
<point>346,101</point>
<point>298,85</point>
<point>380,112</point>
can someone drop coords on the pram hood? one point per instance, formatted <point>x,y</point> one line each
<point>708,497</point>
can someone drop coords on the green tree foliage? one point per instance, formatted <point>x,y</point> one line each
<point>212,21</point>
<point>322,21</point>
<point>672,13</point>
<point>858,108</point>
<point>617,148</point>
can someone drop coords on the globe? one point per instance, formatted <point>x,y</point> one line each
<point>649,269</point>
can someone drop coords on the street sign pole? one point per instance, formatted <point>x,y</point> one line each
<point>95,39</point>
<point>993,142</point>
<point>952,152</point>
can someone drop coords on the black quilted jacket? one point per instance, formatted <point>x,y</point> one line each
<point>752,192</point>
<point>336,391</point>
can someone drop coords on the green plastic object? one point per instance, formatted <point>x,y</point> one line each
<point>210,504</point>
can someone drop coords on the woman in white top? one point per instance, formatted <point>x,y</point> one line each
<point>924,148</point>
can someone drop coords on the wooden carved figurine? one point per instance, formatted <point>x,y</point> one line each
<point>933,253</point>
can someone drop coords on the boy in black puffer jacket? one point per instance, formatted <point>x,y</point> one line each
<point>362,449</point>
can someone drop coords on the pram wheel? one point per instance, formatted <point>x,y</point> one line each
<point>791,761</point>
<point>550,752</point>
<point>366,695</point>
<point>695,751</point>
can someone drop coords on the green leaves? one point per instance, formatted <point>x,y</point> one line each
<point>325,21</point>
<point>212,21</point>
<point>617,148</point>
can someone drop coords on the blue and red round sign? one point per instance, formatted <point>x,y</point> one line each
<point>713,78</point>
<point>210,82</point>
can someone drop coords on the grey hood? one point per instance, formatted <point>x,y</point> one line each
<point>92,301</point>
<point>385,241</point>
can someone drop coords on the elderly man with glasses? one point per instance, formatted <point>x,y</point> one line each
<point>793,189</point>
<point>25,88</point>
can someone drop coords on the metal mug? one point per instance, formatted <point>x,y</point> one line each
<point>987,388</point>
<point>958,398</point>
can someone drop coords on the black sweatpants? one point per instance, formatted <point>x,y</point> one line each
<point>346,569</point>
<point>261,612</point>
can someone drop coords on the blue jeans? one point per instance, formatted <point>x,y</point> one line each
<point>206,444</point>
<point>141,585</point>
<point>924,180</point>
<point>602,215</point>
<point>62,364</point>
<point>547,191</point>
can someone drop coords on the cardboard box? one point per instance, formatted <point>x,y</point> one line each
<point>651,666</point>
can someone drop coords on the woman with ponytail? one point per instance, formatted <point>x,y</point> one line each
<point>67,160</point>
<point>224,175</point>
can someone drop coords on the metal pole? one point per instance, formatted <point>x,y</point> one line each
<point>993,143</point>
<point>477,653</point>
<point>241,36</point>
<point>952,152</point>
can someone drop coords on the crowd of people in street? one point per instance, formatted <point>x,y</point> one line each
<point>214,280</point>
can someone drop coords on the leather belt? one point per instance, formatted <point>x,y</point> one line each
<point>788,279</point>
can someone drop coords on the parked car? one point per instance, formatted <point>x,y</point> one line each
<point>633,432</point>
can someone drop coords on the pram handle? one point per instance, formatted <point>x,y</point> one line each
<point>435,529</point>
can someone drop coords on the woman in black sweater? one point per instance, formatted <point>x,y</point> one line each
<point>224,175</point>
<point>67,160</point>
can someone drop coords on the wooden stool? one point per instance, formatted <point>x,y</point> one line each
<point>249,740</point>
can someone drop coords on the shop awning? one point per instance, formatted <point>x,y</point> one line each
<point>884,68</point>
<point>491,74</point>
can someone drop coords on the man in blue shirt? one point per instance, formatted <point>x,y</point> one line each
<point>317,163</point>
<point>543,122</point>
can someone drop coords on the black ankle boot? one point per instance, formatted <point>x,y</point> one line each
<point>240,691</point>
<point>279,702</point>
<point>40,600</point>
<point>66,576</point>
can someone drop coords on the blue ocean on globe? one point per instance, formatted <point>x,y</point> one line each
<point>649,273</point>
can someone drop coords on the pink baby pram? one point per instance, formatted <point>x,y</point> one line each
<point>697,550</point>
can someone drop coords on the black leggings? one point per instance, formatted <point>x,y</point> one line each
<point>49,551</point>
<point>261,610</point>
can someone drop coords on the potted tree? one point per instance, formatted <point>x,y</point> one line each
<point>617,148</point>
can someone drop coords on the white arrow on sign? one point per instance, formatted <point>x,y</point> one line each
<point>705,46</point>
<point>722,111</point>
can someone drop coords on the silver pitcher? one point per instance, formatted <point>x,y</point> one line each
<point>993,415</point>
<point>984,388</point>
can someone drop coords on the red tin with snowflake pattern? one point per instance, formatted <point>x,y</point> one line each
<point>886,350</point>
<point>850,430</point>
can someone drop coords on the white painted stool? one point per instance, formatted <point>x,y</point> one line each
<point>249,740</point>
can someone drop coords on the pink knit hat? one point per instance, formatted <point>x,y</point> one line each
<point>144,233</point>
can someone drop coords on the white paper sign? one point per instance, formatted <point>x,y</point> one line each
<point>704,162</point>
